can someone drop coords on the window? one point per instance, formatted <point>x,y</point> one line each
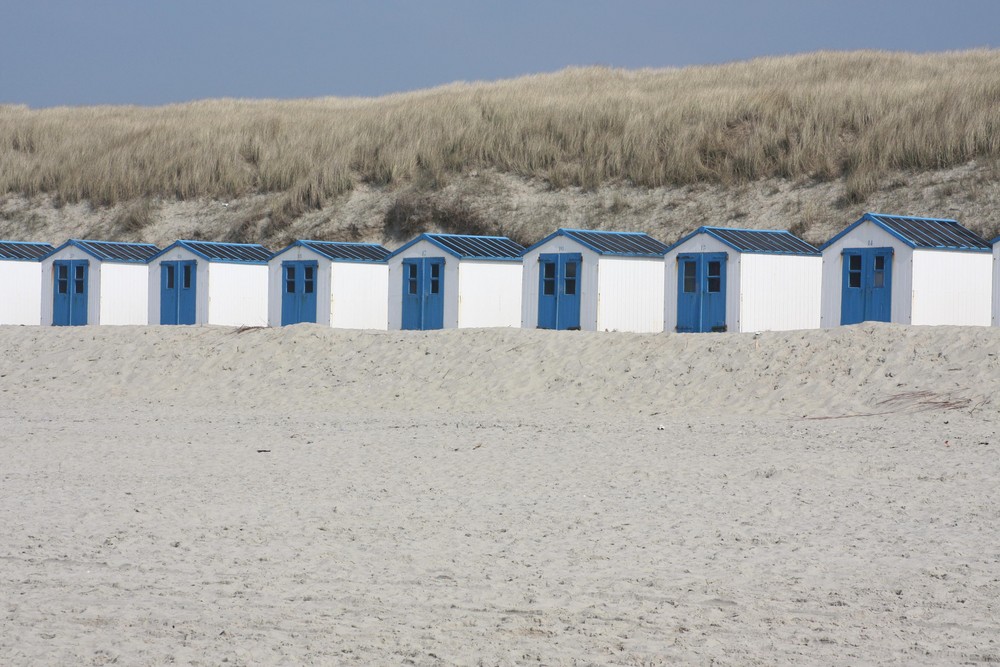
<point>62,279</point>
<point>186,284</point>
<point>690,284</point>
<point>878,280</point>
<point>411,278</point>
<point>569,279</point>
<point>170,275</point>
<point>548,278</point>
<point>78,279</point>
<point>290,280</point>
<point>309,279</point>
<point>854,271</point>
<point>714,276</point>
<point>435,278</point>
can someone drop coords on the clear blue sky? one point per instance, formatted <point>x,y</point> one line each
<point>150,52</point>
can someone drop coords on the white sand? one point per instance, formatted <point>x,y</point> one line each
<point>501,497</point>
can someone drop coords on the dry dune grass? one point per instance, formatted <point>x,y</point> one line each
<point>856,116</point>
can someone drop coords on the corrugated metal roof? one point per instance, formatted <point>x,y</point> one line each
<point>617,243</point>
<point>765,241</point>
<point>253,253</point>
<point>24,250</point>
<point>931,232</point>
<point>358,252</point>
<point>478,247</point>
<point>926,233</point>
<point>114,251</point>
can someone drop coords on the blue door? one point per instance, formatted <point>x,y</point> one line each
<point>866,295</point>
<point>423,293</point>
<point>177,292</point>
<point>69,297</point>
<point>701,292</point>
<point>298,292</point>
<point>559,290</point>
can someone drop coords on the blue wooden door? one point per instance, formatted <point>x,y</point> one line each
<point>701,292</point>
<point>298,292</point>
<point>178,295</point>
<point>866,293</point>
<point>423,293</point>
<point>69,292</point>
<point>559,290</point>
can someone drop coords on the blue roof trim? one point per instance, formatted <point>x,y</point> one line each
<point>928,233</point>
<point>341,251</point>
<point>784,242</point>
<point>488,247</point>
<point>193,248</point>
<point>115,252</point>
<point>587,238</point>
<point>24,251</point>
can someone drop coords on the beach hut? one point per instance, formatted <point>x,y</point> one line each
<point>205,282</point>
<point>595,281</point>
<point>721,279</point>
<point>996,281</point>
<point>448,281</point>
<point>341,285</point>
<point>21,281</point>
<point>96,282</point>
<point>909,270</point>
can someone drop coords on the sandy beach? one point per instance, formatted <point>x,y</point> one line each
<point>309,496</point>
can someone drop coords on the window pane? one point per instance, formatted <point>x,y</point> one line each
<point>78,279</point>
<point>308,270</point>
<point>435,286</point>
<point>170,276</point>
<point>571,269</point>
<point>79,272</point>
<point>714,284</point>
<point>187,276</point>
<point>549,270</point>
<point>714,269</point>
<point>690,284</point>
<point>854,262</point>
<point>880,262</point>
<point>62,272</point>
<point>62,285</point>
<point>290,279</point>
<point>411,286</point>
<point>548,287</point>
<point>435,270</point>
<point>854,279</point>
<point>879,279</point>
<point>570,284</point>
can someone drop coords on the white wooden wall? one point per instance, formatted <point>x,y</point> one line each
<point>630,294</point>
<point>21,292</point>
<point>867,235</point>
<point>237,294</point>
<point>951,287</point>
<point>124,295</point>
<point>779,292</point>
<point>490,293</point>
<point>358,295</point>
<point>996,284</point>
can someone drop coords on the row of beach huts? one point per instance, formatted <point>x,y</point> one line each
<point>889,268</point>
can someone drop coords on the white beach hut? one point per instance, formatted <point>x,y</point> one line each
<point>341,285</point>
<point>996,281</point>
<point>96,282</point>
<point>722,279</point>
<point>595,281</point>
<point>205,282</point>
<point>909,270</point>
<point>448,281</point>
<point>21,281</point>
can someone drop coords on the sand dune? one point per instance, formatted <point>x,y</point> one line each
<point>197,495</point>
